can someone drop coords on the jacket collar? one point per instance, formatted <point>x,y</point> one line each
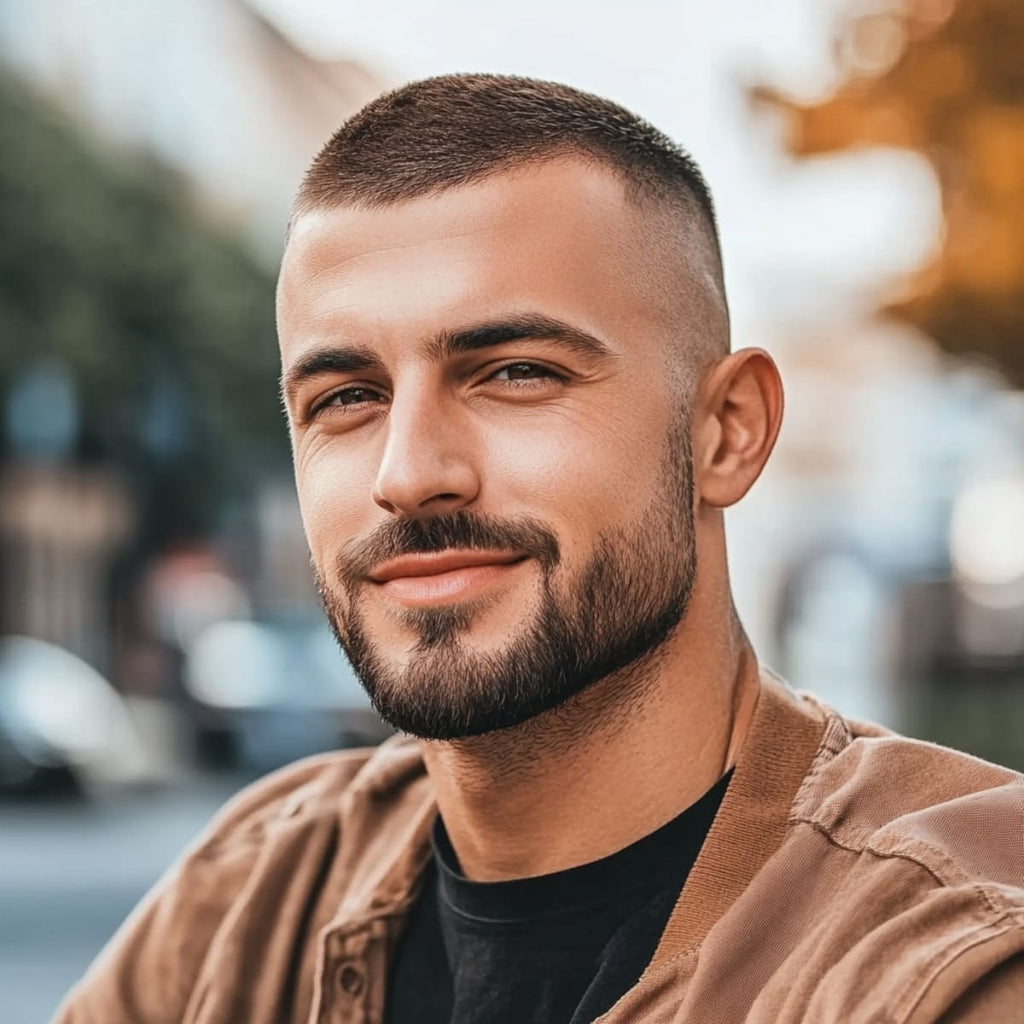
<point>785,736</point>
<point>388,811</point>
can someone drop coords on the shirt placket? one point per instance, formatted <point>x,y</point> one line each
<point>352,975</point>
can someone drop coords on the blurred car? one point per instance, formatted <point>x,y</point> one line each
<point>263,693</point>
<point>63,727</point>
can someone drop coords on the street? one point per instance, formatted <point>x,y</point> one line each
<point>71,871</point>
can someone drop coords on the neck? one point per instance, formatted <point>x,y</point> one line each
<point>612,765</point>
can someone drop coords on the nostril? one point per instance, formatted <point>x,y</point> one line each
<point>443,501</point>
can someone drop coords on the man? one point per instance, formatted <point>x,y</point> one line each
<point>516,421</point>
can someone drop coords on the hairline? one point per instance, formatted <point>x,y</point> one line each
<point>644,197</point>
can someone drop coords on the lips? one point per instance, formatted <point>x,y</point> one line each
<point>435,564</point>
<point>444,578</point>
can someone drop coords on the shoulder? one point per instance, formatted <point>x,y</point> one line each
<point>322,788</point>
<point>270,839</point>
<point>959,817</point>
<point>928,873</point>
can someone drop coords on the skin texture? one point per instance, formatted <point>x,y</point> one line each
<point>426,433</point>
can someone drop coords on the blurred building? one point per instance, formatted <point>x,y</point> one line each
<point>209,87</point>
<point>59,529</point>
<point>212,90</point>
<point>903,596</point>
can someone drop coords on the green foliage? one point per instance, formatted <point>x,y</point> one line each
<point>106,268</point>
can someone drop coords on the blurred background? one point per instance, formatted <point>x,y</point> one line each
<point>160,642</point>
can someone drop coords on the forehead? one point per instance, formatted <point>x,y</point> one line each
<point>559,238</point>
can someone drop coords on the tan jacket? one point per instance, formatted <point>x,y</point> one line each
<point>850,876</point>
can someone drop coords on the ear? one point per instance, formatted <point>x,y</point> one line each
<point>737,416</point>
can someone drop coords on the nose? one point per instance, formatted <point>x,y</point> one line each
<point>427,466</point>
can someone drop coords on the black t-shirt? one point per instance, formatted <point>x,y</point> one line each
<point>555,949</point>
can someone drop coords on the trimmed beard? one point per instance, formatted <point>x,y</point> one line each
<point>617,610</point>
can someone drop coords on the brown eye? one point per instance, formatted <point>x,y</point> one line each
<point>524,371</point>
<point>354,396</point>
<point>348,397</point>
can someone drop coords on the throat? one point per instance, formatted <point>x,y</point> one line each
<point>587,779</point>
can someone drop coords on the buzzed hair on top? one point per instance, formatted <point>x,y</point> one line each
<point>451,130</point>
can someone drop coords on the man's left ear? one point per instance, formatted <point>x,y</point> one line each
<point>737,416</point>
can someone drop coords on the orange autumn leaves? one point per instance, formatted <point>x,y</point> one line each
<point>945,79</point>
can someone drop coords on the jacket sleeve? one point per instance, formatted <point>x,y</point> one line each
<point>994,998</point>
<point>147,972</point>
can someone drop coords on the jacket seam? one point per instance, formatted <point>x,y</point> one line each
<point>835,738</point>
<point>933,970</point>
<point>993,904</point>
<point>874,851</point>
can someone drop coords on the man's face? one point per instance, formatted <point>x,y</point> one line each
<point>490,446</point>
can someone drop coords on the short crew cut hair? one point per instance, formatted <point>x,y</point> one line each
<point>439,133</point>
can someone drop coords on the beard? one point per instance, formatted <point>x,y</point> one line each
<point>614,612</point>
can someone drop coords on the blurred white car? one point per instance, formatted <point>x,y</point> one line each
<point>62,725</point>
<point>263,693</point>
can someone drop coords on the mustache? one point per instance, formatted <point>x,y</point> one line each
<point>454,530</point>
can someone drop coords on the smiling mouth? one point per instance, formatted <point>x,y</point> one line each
<point>444,578</point>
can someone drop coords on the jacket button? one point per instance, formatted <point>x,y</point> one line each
<point>351,980</point>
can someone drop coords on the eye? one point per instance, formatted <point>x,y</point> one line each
<point>514,373</point>
<point>350,396</point>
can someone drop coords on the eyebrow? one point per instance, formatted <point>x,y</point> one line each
<point>323,361</point>
<point>448,343</point>
<point>516,327</point>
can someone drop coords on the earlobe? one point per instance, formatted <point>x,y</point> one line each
<point>740,404</point>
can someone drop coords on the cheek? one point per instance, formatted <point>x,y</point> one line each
<point>582,476</point>
<point>334,500</point>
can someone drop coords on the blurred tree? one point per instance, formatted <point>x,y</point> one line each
<point>165,325</point>
<point>944,78</point>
